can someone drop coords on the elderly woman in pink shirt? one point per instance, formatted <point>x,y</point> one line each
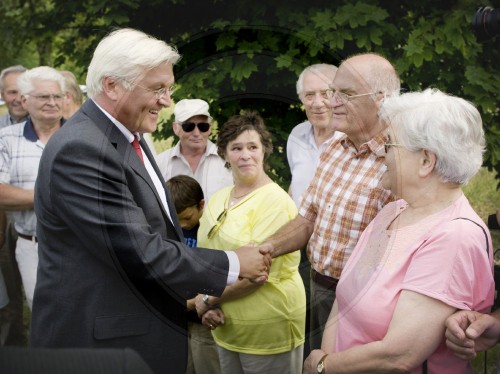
<point>423,257</point>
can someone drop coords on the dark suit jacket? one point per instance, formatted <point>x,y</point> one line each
<point>17,360</point>
<point>113,271</point>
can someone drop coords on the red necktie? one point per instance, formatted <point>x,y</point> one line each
<point>137,148</point>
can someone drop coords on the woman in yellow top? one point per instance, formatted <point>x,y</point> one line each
<point>257,328</point>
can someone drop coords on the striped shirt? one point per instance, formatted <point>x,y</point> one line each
<point>341,200</point>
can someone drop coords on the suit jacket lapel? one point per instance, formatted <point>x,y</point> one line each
<point>170,202</point>
<point>127,153</point>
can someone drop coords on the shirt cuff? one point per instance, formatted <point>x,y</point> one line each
<point>234,267</point>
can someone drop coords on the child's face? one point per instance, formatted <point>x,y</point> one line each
<point>190,217</point>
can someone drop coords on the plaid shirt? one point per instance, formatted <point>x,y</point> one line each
<point>20,152</point>
<point>341,200</point>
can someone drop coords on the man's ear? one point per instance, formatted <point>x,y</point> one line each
<point>427,162</point>
<point>177,128</point>
<point>201,204</point>
<point>23,102</point>
<point>110,88</point>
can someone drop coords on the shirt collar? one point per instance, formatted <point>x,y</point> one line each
<point>372,146</point>
<point>29,131</point>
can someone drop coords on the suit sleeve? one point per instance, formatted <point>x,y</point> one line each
<point>111,209</point>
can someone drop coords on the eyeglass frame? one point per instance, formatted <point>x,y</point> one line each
<point>160,92</point>
<point>45,98</point>
<point>220,220</point>
<point>194,125</point>
<point>330,93</point>
<point>387,146</point>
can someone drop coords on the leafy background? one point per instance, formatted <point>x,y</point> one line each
<point>247,54</point>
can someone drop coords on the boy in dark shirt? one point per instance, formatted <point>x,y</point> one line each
<point>189,202</point>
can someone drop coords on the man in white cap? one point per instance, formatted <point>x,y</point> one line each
<point>194,154</point>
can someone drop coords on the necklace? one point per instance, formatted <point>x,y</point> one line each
<point>235,199</point>
<point>239,197</point>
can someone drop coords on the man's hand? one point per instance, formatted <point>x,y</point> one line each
<point>202,307</point>
<point>469,332</point>
<point>254,265</point>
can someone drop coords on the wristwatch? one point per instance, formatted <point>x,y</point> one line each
<point>321,365</point>
<point>205,300</point>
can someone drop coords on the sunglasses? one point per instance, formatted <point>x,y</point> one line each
<point>218,224</point>
<point>189,126</point>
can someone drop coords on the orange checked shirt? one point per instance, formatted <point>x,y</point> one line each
<point>342,199</point>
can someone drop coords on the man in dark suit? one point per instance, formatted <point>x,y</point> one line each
<point>113,269</point>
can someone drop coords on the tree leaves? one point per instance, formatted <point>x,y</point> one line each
<point>249,57</point>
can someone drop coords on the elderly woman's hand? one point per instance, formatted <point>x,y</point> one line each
<point>213,318</point>
<point>311,362</point>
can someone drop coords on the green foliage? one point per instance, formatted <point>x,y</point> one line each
<point>239,55</point>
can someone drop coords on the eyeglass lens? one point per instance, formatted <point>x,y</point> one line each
<point>189,126</point>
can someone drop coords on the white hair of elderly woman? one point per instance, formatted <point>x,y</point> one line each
<point>446,125</point>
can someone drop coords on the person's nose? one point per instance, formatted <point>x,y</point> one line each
<point>335,101</point>
<point>52,100</point>
<point>165,100</point>
<point>245,154</point>
<point>318,100</point>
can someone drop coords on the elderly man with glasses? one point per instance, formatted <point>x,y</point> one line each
<point>42,92</point>
<point>344,194</point>
<point>113,270</point>
<point>194,155</point>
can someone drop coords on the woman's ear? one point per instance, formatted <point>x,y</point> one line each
<point>201,204</point>
<point>427,162</point>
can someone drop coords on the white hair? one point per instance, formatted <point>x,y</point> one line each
<point>41,73</point>
<point>125,55</point>
<point>448,126</point>
<point>326,70</point>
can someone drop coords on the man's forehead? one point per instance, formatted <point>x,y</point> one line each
<point>350,76</point>
<point>11,77</point>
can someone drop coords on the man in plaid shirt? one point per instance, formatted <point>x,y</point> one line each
<point>344,195</point>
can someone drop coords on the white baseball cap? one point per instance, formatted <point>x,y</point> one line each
<point>187,108</point>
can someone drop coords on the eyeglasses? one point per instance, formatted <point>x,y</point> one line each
<point>389,145</point>
<point>345,98</point>
<point>45,98</point>
<point>161,92</point>
<point>189,126</point>
<point>218,224</point>
<point>310,96</point>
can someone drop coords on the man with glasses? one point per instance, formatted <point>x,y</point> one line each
<point>42,92</point>
<point>344,194</point>
<point>114,271</point>
<point>194,155</point>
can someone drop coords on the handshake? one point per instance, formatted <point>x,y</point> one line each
<point>255,262</point>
